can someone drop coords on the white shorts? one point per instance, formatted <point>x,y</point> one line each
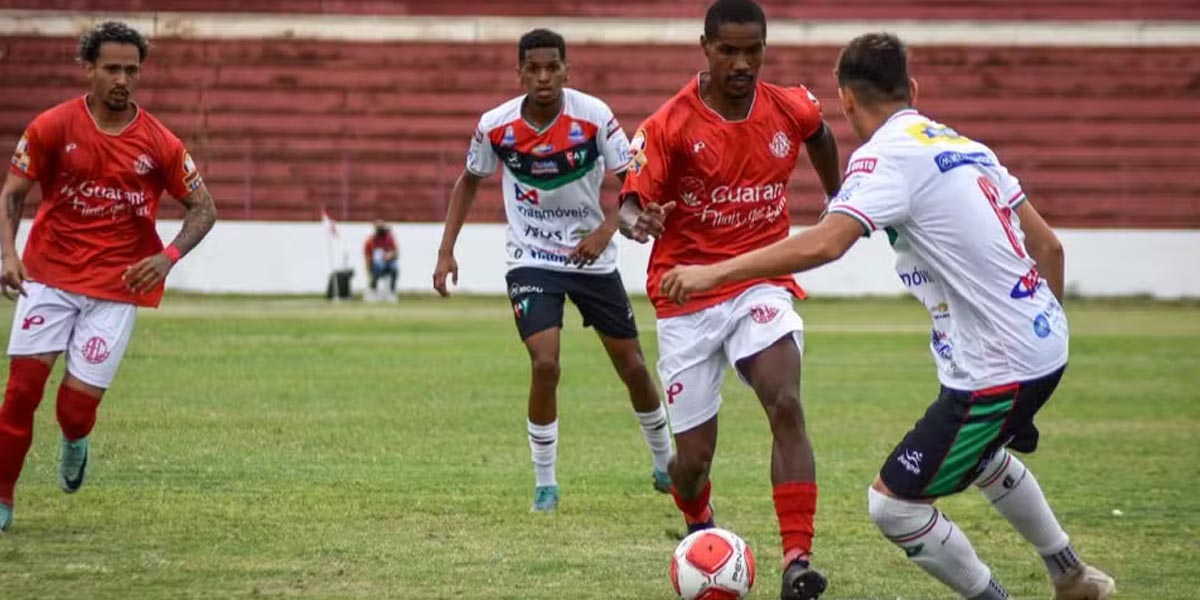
<point>93,333</point>
<point>694,348</point>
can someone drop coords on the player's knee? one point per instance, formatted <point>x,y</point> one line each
<point>783,410</point>
<point>894,516</point>
<point>546,368</point>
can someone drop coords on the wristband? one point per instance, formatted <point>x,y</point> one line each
<point>173,253</point>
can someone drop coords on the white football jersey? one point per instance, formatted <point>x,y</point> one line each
<point>552,177</point>
<point>949,207</point>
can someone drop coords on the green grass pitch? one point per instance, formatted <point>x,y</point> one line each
<point>285,448</point>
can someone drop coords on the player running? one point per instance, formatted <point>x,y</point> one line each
<point>555,145</point>
<point>709,180</point>
<point>972,248</point>
<point>93,255</point>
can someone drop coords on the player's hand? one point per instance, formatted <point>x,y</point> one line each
<point>446,265</point>
<point>590,248</point>
<point>13,278</point>
<point>651,222</point>
<point>681,282</point>
<point>145,275</point>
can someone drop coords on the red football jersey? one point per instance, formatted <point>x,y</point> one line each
<point>99,198</point>
<point>728,179</point>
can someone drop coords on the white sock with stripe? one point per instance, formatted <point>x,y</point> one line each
<point>1012,489</point>
<point>543,446</point>
<point>658,436</point>
<point>935,544</point>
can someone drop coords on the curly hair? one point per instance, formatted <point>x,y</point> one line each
<point>110,31</point>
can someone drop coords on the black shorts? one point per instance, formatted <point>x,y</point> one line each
<point>961,432</point>
<point>537,299</point>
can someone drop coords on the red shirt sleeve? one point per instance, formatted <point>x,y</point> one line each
<point>650,163</point>
<point>806,110</point>
<point>34,154</point>
<point>179,171</point>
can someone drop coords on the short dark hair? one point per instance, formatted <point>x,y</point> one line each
<point>733,11</point>
<point>110,31</point>
<point>541,38</point>
<point>875,66</point>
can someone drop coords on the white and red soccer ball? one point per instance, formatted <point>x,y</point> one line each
<point>712,564</point>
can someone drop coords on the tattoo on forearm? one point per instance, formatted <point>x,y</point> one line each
<point>197,220</point>
<point>14,207</point>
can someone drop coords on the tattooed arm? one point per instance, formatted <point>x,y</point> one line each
<point>12,196</point>
<point>197,221</point>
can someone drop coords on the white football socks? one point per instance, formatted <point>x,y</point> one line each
<point>935,544</point>
<point>658,436</point>
<point>1012,489</point>
<point>543,446</point>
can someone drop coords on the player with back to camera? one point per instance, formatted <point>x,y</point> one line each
<point>93,255</point>
<point>972,248</point>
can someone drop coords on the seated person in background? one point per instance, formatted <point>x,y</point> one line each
<point>383,258</point>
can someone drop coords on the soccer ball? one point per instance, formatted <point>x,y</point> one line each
<point>712,564</point>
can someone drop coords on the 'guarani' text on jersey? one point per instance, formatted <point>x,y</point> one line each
<point>552,177</point>
<point>950,208</point>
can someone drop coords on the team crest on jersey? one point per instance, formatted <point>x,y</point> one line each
<point>191,177</point>
<point>20,158</point>
<point>510,137</point>
<point>575,134</point>
<point>637,151</point>
<point>780,145</point>
<point>143,165</point>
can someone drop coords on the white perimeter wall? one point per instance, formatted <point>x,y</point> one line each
<point>295,258</point>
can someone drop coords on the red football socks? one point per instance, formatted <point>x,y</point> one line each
<point>76,412</point>
<point>695,510</point>
<point>795,504</point>
<point>26,383</point>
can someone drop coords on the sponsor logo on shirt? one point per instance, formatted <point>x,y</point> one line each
<point>940,341</point>
<point>510,138</point>
<point>780,145</point>
<point>543,167</point>
<point>90,189</point>
<point>1027,286</point>
<point>575,157</point>
<point>757,193</point>
<point>691,190</point>
<point>930,133</point>
<point>861,165</point>
<point>548,214</point>
<point>575,133</point>
<point>543,149</point>
<point>917,278</point>
<point>530,196</point>
<point>952,160</point>
<point>542,234</point>
<point>548,256</point>
<point>1041,326</point>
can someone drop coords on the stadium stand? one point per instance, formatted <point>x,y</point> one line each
<point>1101,137</point>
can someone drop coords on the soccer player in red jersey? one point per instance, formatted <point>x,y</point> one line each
<point>710,172</point>
<point>93,255</point>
